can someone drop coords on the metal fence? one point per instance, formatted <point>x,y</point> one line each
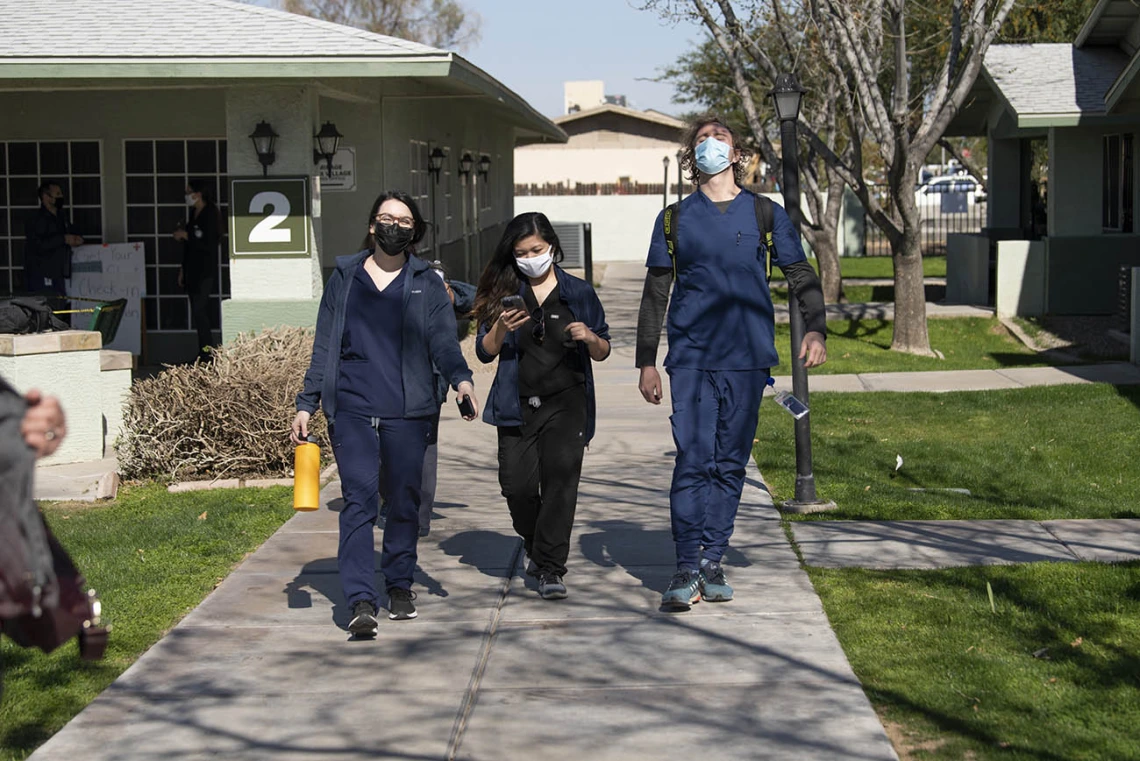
<point>945,213</point>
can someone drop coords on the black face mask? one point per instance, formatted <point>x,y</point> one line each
<point>60,202</point>
<point>393,239</point>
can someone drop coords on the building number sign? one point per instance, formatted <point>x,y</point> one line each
<point>270,216</point>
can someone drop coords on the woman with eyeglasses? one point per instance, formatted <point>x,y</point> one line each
<point>546,327</point>
<point>385,319</point>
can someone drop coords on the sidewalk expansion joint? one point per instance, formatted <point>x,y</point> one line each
<point>470,697</point>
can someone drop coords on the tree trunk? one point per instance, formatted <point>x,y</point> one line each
<point>910,334</point>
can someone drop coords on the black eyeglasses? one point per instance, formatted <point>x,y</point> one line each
<point>538,332</point>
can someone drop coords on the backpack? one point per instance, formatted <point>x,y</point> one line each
<point>764,220</point>
<point>28,314</point>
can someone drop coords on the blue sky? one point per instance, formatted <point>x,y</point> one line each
<point>533,46</point>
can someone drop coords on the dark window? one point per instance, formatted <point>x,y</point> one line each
<point>140,220</point>
<point>86,191</point>
<point>174,314</point>
<point>169,251</point>
<point>22,159</point>
<point>172,190</point>
<point>201,157</point>
<point>85,158</point>
<point>1118,183</point>
<point>53,160</point>
<point>22,192</point>
<point>140,190</point>
<point>139,156</point>
<point>88,223</point>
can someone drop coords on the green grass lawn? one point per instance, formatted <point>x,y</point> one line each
<point>951,679</point>
<point>863,346</point>
<point>152,556</point>
<point>1034,453</point>
<point>875,267</point>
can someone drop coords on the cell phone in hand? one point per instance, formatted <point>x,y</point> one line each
<point>466,408</point>
<point>513,302</point>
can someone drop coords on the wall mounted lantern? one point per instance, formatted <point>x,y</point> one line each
<point>465,163</point>
<point>325,144</point>
<point>263,138</point>
<point>435,162</point>
<point>484,165</point>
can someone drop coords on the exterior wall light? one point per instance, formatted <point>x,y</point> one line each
<point>465,164</point>
<point>325,144</point>
<point>263,138</point>
<point>435,162</point>
<point>484,165</point>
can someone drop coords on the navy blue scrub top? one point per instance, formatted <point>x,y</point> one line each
<point>720,313</point>
<point>371,382</point>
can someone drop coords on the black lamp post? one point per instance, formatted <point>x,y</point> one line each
<point>263,138</point>
<point>435,166</point>
<point>325,144</point>
<point>788,93</point>
<point>679,180</point>
<point>665,189</point>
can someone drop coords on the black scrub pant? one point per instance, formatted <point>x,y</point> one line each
<point>540,463</point>
<point>201,314</point>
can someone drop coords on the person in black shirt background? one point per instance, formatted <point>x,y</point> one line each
<point>47,251</point>
<point>199,271</point>
<point>546,327</point>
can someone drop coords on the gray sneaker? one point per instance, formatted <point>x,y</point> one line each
<point>551,587</point>
<point>684,590</point>
<point>714,588</point>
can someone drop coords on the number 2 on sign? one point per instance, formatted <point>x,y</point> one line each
<point>266,230</point>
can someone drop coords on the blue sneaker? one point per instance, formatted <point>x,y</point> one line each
<point>714,588</point>
<point>684,590</point>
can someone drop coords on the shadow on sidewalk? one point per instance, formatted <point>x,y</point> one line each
<point>645,554</point>
<point>315,576</point>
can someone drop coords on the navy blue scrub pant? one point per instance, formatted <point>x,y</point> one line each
<point>714,425</point>
<point>360,445</point>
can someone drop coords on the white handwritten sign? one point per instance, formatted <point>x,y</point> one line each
<point>106,273</point>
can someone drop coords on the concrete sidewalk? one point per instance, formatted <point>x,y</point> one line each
<point>263,669</point>
<point>944,544</point>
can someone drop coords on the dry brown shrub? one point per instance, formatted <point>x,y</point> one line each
<point>229,418</point>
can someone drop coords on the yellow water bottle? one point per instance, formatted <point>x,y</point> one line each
<point>307,476</point>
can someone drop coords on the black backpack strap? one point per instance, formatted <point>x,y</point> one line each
<point>765,221</point>
<point>670,221</point>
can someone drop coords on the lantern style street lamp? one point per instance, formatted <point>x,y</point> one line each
<point>788,94</point>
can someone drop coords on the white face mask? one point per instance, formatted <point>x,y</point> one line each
<point>536,266</point>
<point>190,200</point>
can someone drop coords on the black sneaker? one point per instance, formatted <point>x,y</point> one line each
<point>551,587</point>
<point>400,606</point>
<point>364,623</point>
<point>532,569</point>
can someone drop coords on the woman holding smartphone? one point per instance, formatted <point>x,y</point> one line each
<point>384,321</point>
<point>546,327</point>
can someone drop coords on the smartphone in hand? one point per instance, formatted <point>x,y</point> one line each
<point>466,408</point>
<point>513,302</point>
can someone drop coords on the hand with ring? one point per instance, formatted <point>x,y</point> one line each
<point>44,426</point>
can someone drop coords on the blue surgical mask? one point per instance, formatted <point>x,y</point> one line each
<point>713,156</point>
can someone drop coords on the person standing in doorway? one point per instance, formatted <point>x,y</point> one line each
<point>721,331</point>
<point>199,273</point>
<point>385,320</point>
<point>546,327</point>
<point>48,243</point>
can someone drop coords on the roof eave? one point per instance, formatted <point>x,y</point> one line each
<point>1090,23</point>
<point>226,68</point>
<point>1122,83</point>
<point>543,129</point>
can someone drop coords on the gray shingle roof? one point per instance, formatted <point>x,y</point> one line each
<point>88,29</point>
<point>1050,79</point>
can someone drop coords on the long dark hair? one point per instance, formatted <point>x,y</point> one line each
<point>420,227</point>
<point>501,277</point>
